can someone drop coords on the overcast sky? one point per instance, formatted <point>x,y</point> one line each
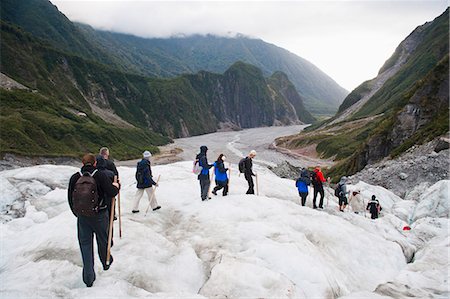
<point>348,40</point>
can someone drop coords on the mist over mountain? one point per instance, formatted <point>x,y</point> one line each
<point>63,104</point>
<point>174,56</point>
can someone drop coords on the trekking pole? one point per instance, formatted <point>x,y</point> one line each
<point>210,183</point>
<point>153,195</point>
<point>120,216</point>
<point>111,222</point>
<point>257,186</point>
<point>116,180</point>
<point>229,175</point>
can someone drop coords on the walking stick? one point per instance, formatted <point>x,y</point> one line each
<point>229,175</point>
<point>257,186</point>
<point>111,222</point>
<point>120,216</point>
<point>153,195</point>
<point>116,180</point>
<point>212,179</point>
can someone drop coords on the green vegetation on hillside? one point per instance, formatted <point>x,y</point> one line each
<point>172,56</point>
<point>409,109</point>
<point>433,46</point>
<point>35,125</point>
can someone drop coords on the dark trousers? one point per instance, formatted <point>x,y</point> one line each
<point>204,188</point>
<point>303,195</point>
<point>249,179</point>
<point>87,227</point>
<point>220,185</point>
<point>322,194</point>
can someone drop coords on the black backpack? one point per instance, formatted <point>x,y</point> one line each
<point>242,165</point>
<point>139,175</point>
<point>338,191</point>
<point>85,195</point>
<point>313,176</point>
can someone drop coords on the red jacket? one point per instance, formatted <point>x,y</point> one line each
<point>319,176</point>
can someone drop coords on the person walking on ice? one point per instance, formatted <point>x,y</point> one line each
<point>317,180</point>
<point>341,192</point>
<point>374,207</point>
<point>221,176</point>
<point>246,167</point>
<point>302,184</point>
<point>203,177</point>
<point>145,182</point>
<point>89,193</point>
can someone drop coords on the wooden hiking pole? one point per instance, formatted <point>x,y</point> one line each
<point>257,186</point>
<point>120,215</point>
<point>116,180</point>
<point>210,183</point>
<point>153,195</point>
<point>111,223</point>
<point>229,175</point>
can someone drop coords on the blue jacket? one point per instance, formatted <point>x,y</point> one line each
<point>303,182</point>
<point>144,175</point>
<point>301,186</point>
<point>220,171</point>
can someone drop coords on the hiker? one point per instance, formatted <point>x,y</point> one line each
<point>101,167</point>
<point>374,207</point>
<point>104,152</point>
<point>302,184</point>
<point>356,202</point>
<point>246,167</point>
<point>203,177</point>
<point>317,180</point>
<point>145,183</point>
<point>221,176</point>
<point>341,192</point>
<point>88,201</point>
<point>108,165</point>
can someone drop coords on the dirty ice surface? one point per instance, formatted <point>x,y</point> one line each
<point>237,246</point>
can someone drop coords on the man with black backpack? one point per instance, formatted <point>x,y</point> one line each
<point>109,164</point>
<point>317,180</point>
<point>145,182</point>
<point>89,192</point>
<point>246,167</point>
<point>341,193</point>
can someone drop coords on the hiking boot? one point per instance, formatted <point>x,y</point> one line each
<point>157,208</point>
<point>91,283</point>
<point>106,267</point>
<point>135,211</point>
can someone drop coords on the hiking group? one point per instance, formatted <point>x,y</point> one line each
<point>201,169</point>
<point>317,179</point>
<point>92,192</point>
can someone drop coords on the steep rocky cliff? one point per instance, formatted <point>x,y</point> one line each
<point>178,107</point>
<point>405,105</point>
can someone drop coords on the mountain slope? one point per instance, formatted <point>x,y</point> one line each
<point>406,104</point>
<point>67,85</point>
<point>173,56</point>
